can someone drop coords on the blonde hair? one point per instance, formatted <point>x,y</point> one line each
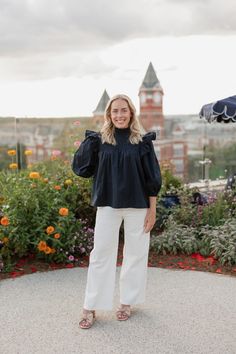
<point>108,129</point>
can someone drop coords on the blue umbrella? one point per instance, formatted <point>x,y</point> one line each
<point>220,111</point>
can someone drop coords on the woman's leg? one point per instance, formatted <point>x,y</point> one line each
<point>102,261</point>
<point>133,275</point>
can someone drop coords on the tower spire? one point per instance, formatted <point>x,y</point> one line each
<point>150,80</point>
<point>101,104</point>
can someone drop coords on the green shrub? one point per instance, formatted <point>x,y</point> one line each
<point>33,204</point>
<point>170,184</point>
<point>219,241</point>
<point>220,207</point>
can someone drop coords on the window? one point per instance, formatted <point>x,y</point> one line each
<point>179,165</point>
<point>178,150</point>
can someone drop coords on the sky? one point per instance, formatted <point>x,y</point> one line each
<point>58,56</point>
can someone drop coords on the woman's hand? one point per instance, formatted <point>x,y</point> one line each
<point>150,219</point>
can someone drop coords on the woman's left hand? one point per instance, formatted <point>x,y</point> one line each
<point>150,220</point>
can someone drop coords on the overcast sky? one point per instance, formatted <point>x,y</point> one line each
<point>58,56</point>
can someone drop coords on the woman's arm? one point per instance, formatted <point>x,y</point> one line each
<point>153,203</point>
<point>150,218</point>
<point>85,158</point>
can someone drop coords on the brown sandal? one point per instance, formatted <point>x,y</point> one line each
<point>88,319</point>
<point>123,312</point>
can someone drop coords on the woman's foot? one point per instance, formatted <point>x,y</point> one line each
<point>123,312</point>
<point>88,318</point>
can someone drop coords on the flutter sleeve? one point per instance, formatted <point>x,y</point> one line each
<point>85,159</point>
<point>150,165</point>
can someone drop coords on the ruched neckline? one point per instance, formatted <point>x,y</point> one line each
<point>122,135</point>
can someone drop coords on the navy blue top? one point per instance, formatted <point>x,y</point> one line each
<point>125,175</point>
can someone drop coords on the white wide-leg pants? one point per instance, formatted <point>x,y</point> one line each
<point>103,257</point>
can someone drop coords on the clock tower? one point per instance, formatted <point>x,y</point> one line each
<point>150,98</point>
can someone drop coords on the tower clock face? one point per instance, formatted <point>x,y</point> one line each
<point>157,97</point>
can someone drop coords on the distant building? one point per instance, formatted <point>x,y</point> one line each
<point>179,137</point>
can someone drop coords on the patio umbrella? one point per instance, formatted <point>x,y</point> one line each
<point>220,111</point>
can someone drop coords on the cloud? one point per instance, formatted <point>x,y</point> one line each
<point>29,27</point>
<point>43,39</point>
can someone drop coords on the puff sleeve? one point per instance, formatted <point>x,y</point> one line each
<point>85,158</point>
<point>150,165</point>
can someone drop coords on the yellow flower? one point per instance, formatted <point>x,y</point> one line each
<point>11,152</point>
<point>13,165</point>
<point>4,221</point>
<point>63,211</point>
<point>28,152</point>
<point>50,230</point>
<point>68,182</point>
<point>42,245</point>
<point>34,175</point>
<point>29,165</point>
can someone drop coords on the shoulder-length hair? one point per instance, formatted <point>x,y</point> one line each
<point>108,128</point>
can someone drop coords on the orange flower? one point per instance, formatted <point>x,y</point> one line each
<point>63,211</point>
<point>4,221</point>
<point>57,235</point>
<point>53,158</point>
<point>34,175</point>
<point>47,250</point>
<point>11,152</point>
<point>50,230</point>
<point>57,188</point>
<point>13,165</point>
<point>53,250</point>
<point>5,239</point>
<point>45,180</point>
<point>42,245</point>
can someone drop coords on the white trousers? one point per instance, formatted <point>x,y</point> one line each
<point>103,257</point>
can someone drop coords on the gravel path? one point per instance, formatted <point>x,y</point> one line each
<point>185,312</point>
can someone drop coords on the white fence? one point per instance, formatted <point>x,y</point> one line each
<point>208,185</point>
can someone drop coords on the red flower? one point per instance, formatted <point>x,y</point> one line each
<point>16,274</point>
<point>198,256</point>
<point>69,265</point>
<point>33,269</point>
<point>218,270</point>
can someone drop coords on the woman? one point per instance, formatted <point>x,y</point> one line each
<point>126,183</point>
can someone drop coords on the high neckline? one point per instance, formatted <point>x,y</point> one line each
<point>122,130</point>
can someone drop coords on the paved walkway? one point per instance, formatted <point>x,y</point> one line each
<point>185,312</point>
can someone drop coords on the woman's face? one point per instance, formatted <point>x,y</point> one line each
<point>120,113</point>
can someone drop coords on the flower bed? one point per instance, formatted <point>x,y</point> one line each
<point>46,219</point>
<point>46,212</point>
